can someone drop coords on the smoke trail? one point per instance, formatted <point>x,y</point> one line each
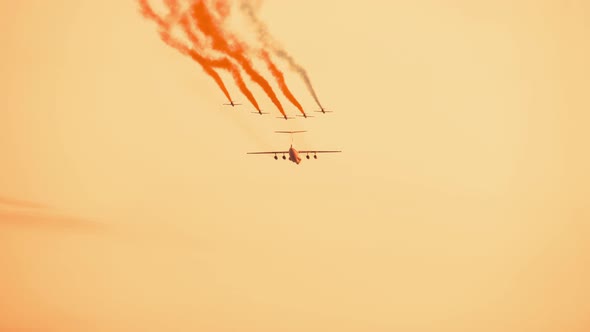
<point>148,12</point>
<point>172,6</point>
<point>265,37</point>
<point>222,8</point>
<point>223,63</point>
<point>280,80</point>
<point>19,203</point>
<point>20,213</point>
<point>206,23</point>
<point>46,220</point>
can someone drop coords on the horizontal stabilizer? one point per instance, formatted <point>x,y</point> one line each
<point>290,132</point>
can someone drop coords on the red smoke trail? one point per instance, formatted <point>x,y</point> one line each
<point>208,26</point>
<point>229,66</point>
<point>186,27</point>
<point>147,11</point>
<point>11,202</point>
<point>280,80</point>
<point>249,9</point>
<point>223,63</point>
<point>172,5</point>
<point>221,8</point>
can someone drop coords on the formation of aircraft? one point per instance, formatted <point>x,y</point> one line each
<point>290,117</point>
<point>294,155</point>
<point>304,115</point>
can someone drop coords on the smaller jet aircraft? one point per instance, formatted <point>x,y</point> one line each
<point>285,117</point>
<point>231,102</point>
<point>324,111</point>
<point>293,153</point>
<point>260,112</point>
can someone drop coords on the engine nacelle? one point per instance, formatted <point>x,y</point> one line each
<point>307,156</point>
<point>276,157</point>
<point>315,156</point>
<point>284,157</point>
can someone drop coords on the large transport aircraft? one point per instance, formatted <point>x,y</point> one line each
<point>294,155</point>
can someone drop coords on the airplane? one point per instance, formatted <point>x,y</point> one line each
<point>285,117</point>
<point>231,102</point>
<point>260,112</point>
<point>292,152</point>
<point>323,111</point>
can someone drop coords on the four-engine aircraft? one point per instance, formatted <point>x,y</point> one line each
<point>293,153</point>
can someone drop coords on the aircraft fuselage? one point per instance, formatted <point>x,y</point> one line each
<point>294,155</point>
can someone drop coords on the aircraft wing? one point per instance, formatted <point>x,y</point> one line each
<point>268,152</point>
<point>318,151</point>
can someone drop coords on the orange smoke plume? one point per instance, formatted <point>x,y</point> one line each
<point>222,8</point>
<point>148,12</point>
<point>207,24</point>
<point>20,213</point>
<point>172,5</point>
<point>11,202</point>
<point>280,80</point>
<point>249,9</point>
<point>229,66</point>
<point>223,63</point>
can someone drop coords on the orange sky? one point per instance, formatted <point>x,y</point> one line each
<point>460,202</point>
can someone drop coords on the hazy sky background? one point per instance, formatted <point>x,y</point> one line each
<point>460,202</point>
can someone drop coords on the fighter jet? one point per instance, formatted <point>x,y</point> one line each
<point>260,112</point>
<point>285,117</point>
<point>231,102</point>
<point>323,111</point>
<point>294,155</point>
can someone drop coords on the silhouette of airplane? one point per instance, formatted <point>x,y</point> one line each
<point>323,111</point>
<point>293,153</point>
<point>231,102</point>
<point>260,112</point>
